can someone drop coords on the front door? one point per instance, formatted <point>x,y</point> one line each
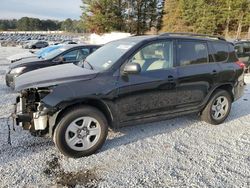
<point>152,92</point>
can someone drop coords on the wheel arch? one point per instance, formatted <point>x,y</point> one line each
<point>98,104</point>
<point>206,112</point>
<point>227,87</point>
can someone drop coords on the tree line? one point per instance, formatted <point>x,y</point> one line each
<point>35,24</point>
<point>99,16</point>
<point>133,16</point>
<point>223,17</point>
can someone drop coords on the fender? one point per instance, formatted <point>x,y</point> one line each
<point>104,106</point>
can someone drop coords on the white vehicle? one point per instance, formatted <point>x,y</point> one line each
<point>30,54</point>
<point>20,56</point>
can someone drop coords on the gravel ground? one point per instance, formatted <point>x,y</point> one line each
<point>179,152</point>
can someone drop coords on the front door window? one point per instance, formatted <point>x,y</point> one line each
<point>156,56</point>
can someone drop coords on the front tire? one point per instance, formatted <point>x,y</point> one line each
<point>81,132</point>
<point>218,108</point>
<point>7,83</point>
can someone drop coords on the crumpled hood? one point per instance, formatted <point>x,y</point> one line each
<point>25,61</point>
<point>54,75</point>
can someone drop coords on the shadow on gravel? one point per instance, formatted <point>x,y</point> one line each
<point>241,107</point>
<point>2,72</point>
<point>139,132</point>
<point>55,172</point>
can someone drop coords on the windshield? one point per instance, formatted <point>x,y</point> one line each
<point>54,53</point>
<point>44,51</point>
<point>106,56</point>
<point>39,52</point>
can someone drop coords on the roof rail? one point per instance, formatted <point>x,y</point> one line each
<point>194,35</point>
<point>243,40</point>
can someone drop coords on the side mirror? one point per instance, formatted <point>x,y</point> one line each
<point>60,59</point>
<point>132,68</point>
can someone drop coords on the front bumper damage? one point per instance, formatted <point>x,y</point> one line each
<point>33,115</point>
<point>33,121</point>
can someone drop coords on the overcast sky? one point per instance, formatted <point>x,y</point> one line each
<point>43,9</point>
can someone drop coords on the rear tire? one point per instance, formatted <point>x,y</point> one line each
<point>81,132</point>
<point>218,108</point>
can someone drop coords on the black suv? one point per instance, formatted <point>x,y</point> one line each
<point>130,81</point>
<point>242,48</point>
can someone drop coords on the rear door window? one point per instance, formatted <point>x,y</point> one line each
<point>72,56</point>
<point>94,49</point>
<point>221,51</point>
<point>192,52</point>
<point>85,53</point>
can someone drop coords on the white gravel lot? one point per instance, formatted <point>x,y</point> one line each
<point>181,152</point>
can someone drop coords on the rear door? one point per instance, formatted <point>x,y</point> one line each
<point>196,72</point>
<point>224,55</point>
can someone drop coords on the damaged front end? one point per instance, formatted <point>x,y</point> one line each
<point>31,113</point>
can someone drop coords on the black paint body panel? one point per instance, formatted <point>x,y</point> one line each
<point>149,96</point>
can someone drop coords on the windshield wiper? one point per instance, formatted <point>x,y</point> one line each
<point>40,57</point>
<point>92,68</point>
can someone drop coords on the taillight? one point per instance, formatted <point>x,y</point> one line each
<point>241,64</point>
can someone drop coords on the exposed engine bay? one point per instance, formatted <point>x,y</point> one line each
<point>31,113</point>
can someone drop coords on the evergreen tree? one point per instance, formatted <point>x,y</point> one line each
<point>207,16</point>
<point>173,18</point>
<point>136,16</point>
<point>102,15</point>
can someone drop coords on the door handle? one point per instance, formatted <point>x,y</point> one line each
<point>170,78</point>
<point>214,72</point>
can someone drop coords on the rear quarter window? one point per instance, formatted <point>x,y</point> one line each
<point>221,51</point>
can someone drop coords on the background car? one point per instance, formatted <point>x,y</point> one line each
<point>36,44</point>
<point>29,54</point>
<point>242,48</point>
<point>64,54</point>
<point>69,42</point>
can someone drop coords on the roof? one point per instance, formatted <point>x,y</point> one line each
<point>136,39</point>
<point>68,46</point>
<point>192,36</point>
